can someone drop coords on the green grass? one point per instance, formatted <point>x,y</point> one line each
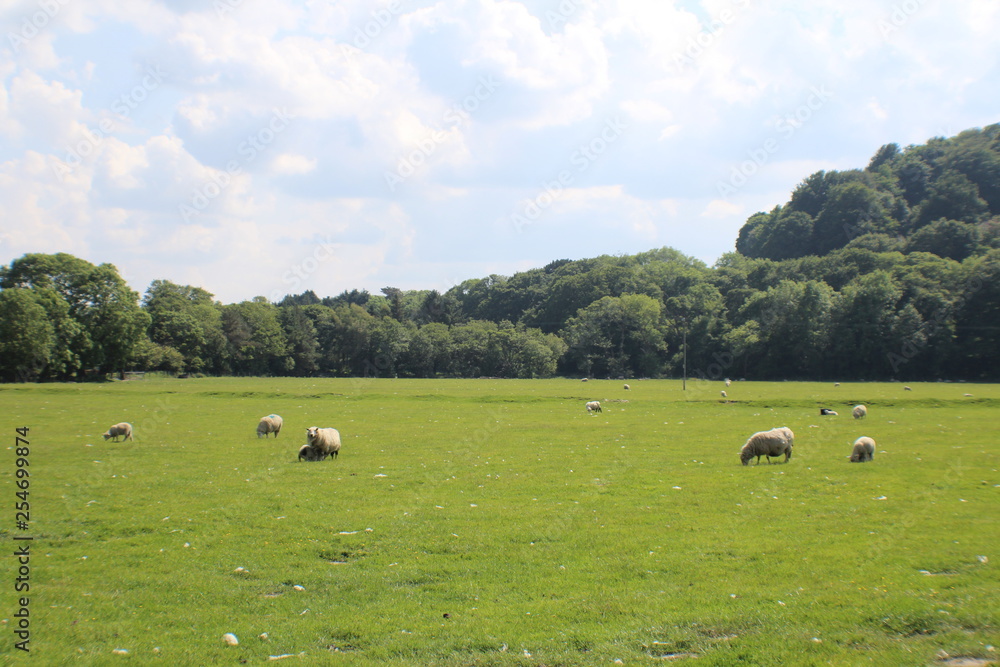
<point>548,536</point>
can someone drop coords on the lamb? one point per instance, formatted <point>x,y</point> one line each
<point>594,406</point>
<point>859,412</point>
<point>324,441</point>
<point>269,424</point>
<point>775,442</point>
<point>309,454</point>
<point>827,412</point>
<point>122,429</point>
<point>864,450</point>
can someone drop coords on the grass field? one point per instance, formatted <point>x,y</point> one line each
<point>497,523</point>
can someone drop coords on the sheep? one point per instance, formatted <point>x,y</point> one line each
<point>864,450</point>
<point>827,412</point>
<point>859,412</point>
<point>627,388</point>
<point>907,389</point>
<point>584,380</point>
<point>728,382</point>
<point>594,406</point>
<point>836,384</point>
<point>775,442</point>
<point>123,429</point>
<point>724,394</point>
<point>269,424</point>
<point>324,441</point>
<point>309,454</point>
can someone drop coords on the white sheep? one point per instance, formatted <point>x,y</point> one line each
<point>724,394</point>
<point>122,429</point>
<point>627,388</point>
<point>324,441</point>
<point>859,412</point>
<point>309,454</point>
<point>728,382</point>
<point>775,442</point>
<point>594,406</point>
<point>269,424</point>
<point>907,389</point>
<point>864,450</point>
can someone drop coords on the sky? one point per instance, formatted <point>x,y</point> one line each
<point>260,148</point>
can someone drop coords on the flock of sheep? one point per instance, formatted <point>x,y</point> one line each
<point>320,442</point>
<point>778,441</point>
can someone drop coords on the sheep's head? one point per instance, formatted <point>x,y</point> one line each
<point>312,432</point>
<point>107,436</point>
<point>745,454</point>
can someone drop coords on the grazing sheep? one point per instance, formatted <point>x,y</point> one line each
<point>269,424</point>
<point>907,389</point>
<point>309,454</point>
<point>584,380</point>
<point>864,450</point>
<point>836,384</point>
<point>594,406</point>
<point>827,412</point>
<point>728,382</point>
<point>324,441</point>
<point>123,429</point>
<point>775,442</point>
<point>724,394</point>
<point>627,387</point>
<point>859,412</point>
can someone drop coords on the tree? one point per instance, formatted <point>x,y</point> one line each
<point>945,238</point>
<point>618,336</point>
<point>952,196</point>
<point>301,337</point>
<point>851,209</point>
<point>27,337</point>
<point>257,344</point>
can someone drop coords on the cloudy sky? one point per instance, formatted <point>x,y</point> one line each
<point>258,147</point>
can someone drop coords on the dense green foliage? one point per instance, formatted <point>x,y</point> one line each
<point>495,522</point>
<point>890,272</point>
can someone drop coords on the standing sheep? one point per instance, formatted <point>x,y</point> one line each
<point>269,424</point>
<point>859,412</point>
<point>324,441</point>
<point>775,442</point>
<point>864,450</point>
<point>122,429</point>
<point>728,382</point>
<point>594,406</point>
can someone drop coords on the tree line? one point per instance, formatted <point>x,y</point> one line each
<point>889,272</point>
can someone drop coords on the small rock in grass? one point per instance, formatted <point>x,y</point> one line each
<point>230,639</point>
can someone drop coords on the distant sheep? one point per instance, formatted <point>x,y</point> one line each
<point>627,387</point>
<point>584,380</point>
<point>724,394</point>
<point>309,454</point>
<point>728,382</point>
<point>594,406</point>
<point>864,450</point>
<point>269,424</point>
<point>907,389</point>
<point>775,442</point>
<point>827,412</point>
<point>121,429</point>
<point>324,441</point>
<point>836,384</point>
<point>859,412</point>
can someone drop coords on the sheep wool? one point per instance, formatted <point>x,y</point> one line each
<point>324,441</point>
<point>121,429</point>
<point>269,424</point>
<point>775,442</point>
<point>594,406</point>
<point>306,452</point>
<point>859,412</point>
<point>864,450</point>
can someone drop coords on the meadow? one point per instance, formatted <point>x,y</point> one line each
<point>495,522</point>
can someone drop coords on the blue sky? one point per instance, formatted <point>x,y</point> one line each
<point>264,148</point>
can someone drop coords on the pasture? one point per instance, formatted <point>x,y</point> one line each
<point>495,522</point>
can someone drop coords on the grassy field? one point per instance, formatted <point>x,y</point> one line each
<point>497,523</point>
